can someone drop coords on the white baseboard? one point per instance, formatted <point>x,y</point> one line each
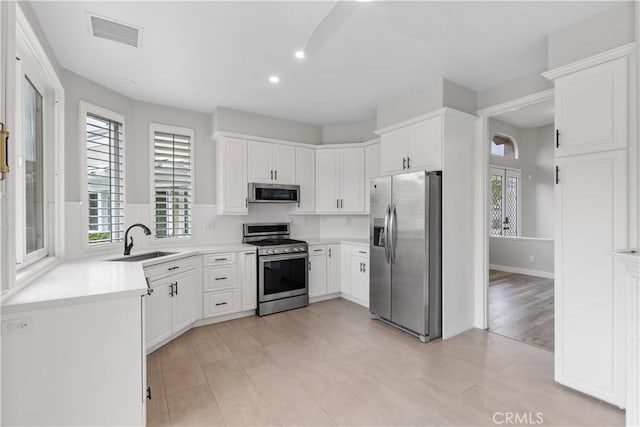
<point>324,297</point>
<point>224,318</point>
<point>526,271</point>
<point>354,299</point>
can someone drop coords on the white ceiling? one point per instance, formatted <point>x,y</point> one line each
<point>199,55</point>
<point>531,116</point>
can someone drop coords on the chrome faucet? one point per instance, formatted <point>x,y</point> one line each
<point>128,246</point>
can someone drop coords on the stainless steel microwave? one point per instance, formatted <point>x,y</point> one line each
<point>273,193</point>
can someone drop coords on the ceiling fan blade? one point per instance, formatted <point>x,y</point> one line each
<point>412,20</point>
<point>329,26</point>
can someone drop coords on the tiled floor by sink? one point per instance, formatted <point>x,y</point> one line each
<point>330,363</point>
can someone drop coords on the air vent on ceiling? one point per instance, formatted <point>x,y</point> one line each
<point>115,31</point>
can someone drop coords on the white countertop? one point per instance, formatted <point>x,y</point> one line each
<point>334,240</point>
<point>95,277</point>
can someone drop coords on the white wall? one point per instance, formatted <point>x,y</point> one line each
<point>355,132</point>
<point>609,29</point>
<point>411,104</point>
<point>513,255</point>
<point>513,89</point>
<point>536,164</point>
<point>230,120</point>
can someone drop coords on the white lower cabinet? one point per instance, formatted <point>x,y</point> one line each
<point>355,273</point>
<point>333,268</point>
<point>175,300</point>
<point>317,275</point>
<point>249,278</point>
<point>221,302</point>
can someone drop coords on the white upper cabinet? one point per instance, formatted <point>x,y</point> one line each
<point>371,169</point>
<point>327,180</point>
<point>271,163</point>
<point>260,163</point>
<point>231,176</point>
<point>352,180</point>
<point>340,179</point>
<point>306,178</point>
<point>415,147</point>
<point>592,109</point>
<point>284,163</point>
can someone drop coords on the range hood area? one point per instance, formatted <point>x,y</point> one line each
<point>273,193</point>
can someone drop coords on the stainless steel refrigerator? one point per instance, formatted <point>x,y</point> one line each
<point>406,247</point>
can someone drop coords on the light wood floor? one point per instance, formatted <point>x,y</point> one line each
<point>521,307</point>
<point>330,363</point>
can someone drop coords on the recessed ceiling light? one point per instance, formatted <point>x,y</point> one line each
<point>274,79</point>
<point>299,54</point>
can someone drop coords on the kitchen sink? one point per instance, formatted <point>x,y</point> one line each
<point>143,257</point>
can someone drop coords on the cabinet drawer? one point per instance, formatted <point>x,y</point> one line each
<point>360,251</point>
<point>171,268</point>
<point>317,250</point>
<point>221,302</point>
<point>219,259</point>
<point>216,278</point>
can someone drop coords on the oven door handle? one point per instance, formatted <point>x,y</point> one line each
<point>282,257</point>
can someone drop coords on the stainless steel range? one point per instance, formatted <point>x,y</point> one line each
<point>283,275</point>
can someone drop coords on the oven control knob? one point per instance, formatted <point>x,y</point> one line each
<point>287,249</point>
<point>269,251</point>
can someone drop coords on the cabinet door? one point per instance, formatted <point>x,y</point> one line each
<point>333,269</point>
<point>232,176</point>
<point>158,313</point>
<point>352,180</point>
<point>591,109</point>
<point>306,178</point>
<point>249,272</point>
<point>284,163</point>
<point>393,149</point>
<point>317,275</point>
<point>187,299</point>
<point>424,141</point>
<point>356,275</point>
<point>260,162</point>
<point>371,169</point>
<point>591,222</point>
<point>327,180</point>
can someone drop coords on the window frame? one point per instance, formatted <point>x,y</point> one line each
<point>506,173</point>
<point>158,127</point>
<point>84,109</point>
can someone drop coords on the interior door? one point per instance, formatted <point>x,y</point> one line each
<point>380,270</point>
<point>409,274</point>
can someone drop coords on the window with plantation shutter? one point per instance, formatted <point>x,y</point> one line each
<point>172,181</point>
<point>105,179</point>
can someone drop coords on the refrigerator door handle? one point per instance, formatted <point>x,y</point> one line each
<point>392,234</point>
<point>387,254</point>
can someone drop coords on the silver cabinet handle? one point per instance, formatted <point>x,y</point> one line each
<point>173,291</point>
<point>360,267</point>
<point>317,250</point>
<point>271,173</point>
<point>221,278</point>
<point>276,174</point>
<point>246,202</point>
<point>364,267</point>
<point>221,303</point>
<point>337,203</point>
<point>176,288</point>
<point>363,252</point>
<point>329,252</point>
<point>403,163</point>
<point>341,203</point>
<point>408,162</point>
<point>220,259</point>
<point>175,267</point>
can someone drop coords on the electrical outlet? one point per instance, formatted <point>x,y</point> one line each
<point>532,258</point>
<point>211,224</point>
<point>18,326</point>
